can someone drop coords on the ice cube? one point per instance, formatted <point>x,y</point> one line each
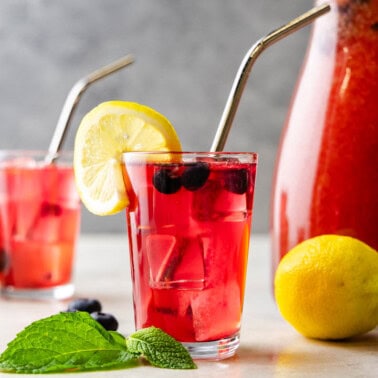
<point>47,224</point>
<point>8,216</point>
<point>175,262</point>
<point>217,312</point>
<point>162,257</point>
<point>37,264</point>
<point>170,310</point>
<point>225,251</point>
<point>214,202</point>
<point>168,209</point>
<point>25,192</point>
<point>190,272</point>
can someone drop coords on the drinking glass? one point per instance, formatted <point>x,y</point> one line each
<point>189,222</point>
<point>39,224</point>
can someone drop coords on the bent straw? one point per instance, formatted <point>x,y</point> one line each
<point>246,66</point>
<point>72,101</point>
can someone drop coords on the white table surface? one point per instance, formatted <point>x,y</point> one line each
<point>269,346</point>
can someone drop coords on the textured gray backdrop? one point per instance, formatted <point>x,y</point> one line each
<point>187,54</point>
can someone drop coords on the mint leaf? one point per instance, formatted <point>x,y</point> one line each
<point>74,341</point>
<point>118,338</point>
<point>159,349</point>
<point>68,341</point>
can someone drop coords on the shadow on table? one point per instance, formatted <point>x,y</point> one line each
<point>255,355</point>
<point>303,350</point>
<point>362,342</point>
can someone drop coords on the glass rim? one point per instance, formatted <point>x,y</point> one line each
<point>40,157</point>
<point>33,152</point>
<point>208,154</point>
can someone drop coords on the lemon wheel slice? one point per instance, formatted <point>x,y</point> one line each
<point>106,132</point>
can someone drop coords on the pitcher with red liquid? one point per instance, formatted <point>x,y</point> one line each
<point>326,179</point>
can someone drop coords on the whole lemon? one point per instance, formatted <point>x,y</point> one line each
<point>327,287</point>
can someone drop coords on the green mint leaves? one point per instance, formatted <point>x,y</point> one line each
<point>66,341</point>
<point>74,341</point>
<point>159,349</point>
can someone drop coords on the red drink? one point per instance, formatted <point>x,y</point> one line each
<point>327,178</point>
<point>189,227</point>
<point>39,219</point>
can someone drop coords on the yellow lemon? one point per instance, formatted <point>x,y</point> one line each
<point>327,287</point>
<point>106,132</point>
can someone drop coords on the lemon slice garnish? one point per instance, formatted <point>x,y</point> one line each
<point>106,132</point>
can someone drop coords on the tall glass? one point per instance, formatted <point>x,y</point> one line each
<point>39,224</point>
<point>189,222</point>
<point>326,179</point>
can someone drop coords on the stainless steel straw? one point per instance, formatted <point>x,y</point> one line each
<point>73,98</point>
<point>246,66</point>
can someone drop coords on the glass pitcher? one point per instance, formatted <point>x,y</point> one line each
<point>326,177</point>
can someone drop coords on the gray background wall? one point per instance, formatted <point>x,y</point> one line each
<point>187,54</point>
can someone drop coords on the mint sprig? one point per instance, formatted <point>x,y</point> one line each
<point>159,349</point>
<point>74,341</point>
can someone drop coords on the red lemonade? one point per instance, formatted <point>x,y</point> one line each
<point>327,178</point>
<point>189,228</point>
<point>39,224</point>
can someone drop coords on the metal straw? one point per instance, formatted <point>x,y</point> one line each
<point>72,101</point>
<point>246,66</point>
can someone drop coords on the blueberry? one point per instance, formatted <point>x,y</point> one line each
<point>236,181</point>
<point>195,176</point>
<point>108,321</point>
<point>166,181</point>
<point>84,304</point>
